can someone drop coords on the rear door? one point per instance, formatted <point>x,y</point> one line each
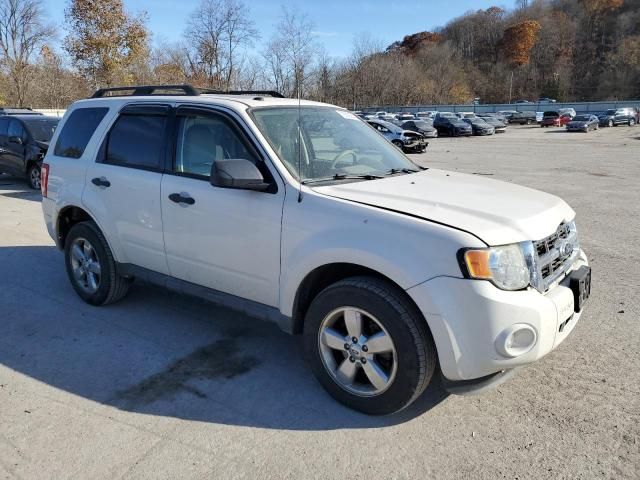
<point>221,238</point>
<point>14,149</point>
<point>4,139</point>
<point>123,184</point>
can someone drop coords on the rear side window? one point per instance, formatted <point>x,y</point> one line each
<point>137,141</point>
<point>77,131</point>
<point>4,126</point>
<point>15,129</point>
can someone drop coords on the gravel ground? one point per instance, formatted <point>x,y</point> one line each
<point>164,386</point>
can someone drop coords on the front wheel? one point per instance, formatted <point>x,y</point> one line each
<point>632,122</point>
<point>397,143</point>
<point>33,176</point>
<point>368,345</point>
<point>610,123</point>
<point>91,267</point>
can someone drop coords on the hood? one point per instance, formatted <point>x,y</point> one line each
<point>496,212</point>
<point>577,123</point>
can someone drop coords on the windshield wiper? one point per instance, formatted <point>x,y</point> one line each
<point>395,171</point>
<point>341,176</point>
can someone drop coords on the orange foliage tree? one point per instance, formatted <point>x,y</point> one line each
<point>518,40</point>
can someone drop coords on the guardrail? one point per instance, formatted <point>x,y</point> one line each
<point>583,107</point>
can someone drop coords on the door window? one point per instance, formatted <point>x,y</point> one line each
<point>206,138</point>
<point>15,129</point>
<point>77,131</point>
<point>4,126</point>
<point>137,141</point>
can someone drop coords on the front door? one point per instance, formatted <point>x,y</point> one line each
<point>221,238</point>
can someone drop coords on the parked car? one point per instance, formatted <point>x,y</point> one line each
<point>405,117</point>
<point>497,116</point>
<point>479,126</point>
<point>447,123</point>
<point>507,114</point>
<point>426,129</point>
<point>394,275</point>
<point>546,100</point>
<point>24,140</point>
<point>569,111</point>
<point>522,101</point>
<point>465,114</point>
<point>18,111</point>
<point>523,118</point>
<point>554,119</point>
<point>425,115</point>
<point>405,140</point>
<point>619,116</point>
<point>498,126</point>
<point>583,123</point>
<point>539,116</point>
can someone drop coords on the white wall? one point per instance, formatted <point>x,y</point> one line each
<point>50,111</point>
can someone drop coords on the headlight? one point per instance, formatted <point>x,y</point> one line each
<point>505,266</point>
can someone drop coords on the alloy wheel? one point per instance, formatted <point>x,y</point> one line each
<point>357,351</point>
<point>85,265</point>
<point>34,178</point>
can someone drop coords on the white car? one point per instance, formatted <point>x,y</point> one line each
<point>300,213</point>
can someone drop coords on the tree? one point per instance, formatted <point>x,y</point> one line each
<point>103,40</point>
<point>290,52</point>
<point>22,33</point>
<point>218,30</point>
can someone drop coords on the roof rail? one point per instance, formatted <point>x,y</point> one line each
<point>142,90</point>
<point>265,93</point>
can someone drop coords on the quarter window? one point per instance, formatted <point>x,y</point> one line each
<point>4,126</point>
<point>15,129</point>
<point>77,131</point>
<point>204,139</point>
<point>137,141</point>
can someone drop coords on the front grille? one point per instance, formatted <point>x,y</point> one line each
<point>555,254</point>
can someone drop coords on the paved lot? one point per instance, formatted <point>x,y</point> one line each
<point>163,386</point>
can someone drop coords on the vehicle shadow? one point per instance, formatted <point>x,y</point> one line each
<point>165,354</point>
<point>14,187</point>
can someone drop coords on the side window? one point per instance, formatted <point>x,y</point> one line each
<point>77,131</point>
<point>4,126</point>
<point>203,139</point>
<point>137,141</point>
<point>15,129</point>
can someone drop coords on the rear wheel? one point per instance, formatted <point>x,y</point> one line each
<point>632,122</point>
<point>91,267</point>
<point>610,123</point>
<point>397,143</point>
<point>368,345</point>
<point>33,176</point>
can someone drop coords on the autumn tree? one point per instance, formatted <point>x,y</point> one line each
<point>217,32</point>
<point>104,40</point>
<point>23,31</point>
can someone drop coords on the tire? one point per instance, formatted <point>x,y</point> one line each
<point>632,122</point>
<point>397,143</point>
<point>528,122</point>
<point>33,176</point>
<point>384,311</point>
<point>108,286</point>
<point>610,123</point>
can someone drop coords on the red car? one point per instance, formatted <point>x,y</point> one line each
<point>554,119</point>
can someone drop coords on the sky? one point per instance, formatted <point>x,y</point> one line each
<point>336,21</point>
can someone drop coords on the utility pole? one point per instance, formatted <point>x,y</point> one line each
<point>511,86</point>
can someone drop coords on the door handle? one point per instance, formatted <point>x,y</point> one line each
<point>101,182</point>
<point>182,198</point>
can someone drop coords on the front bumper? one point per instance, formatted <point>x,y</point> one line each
<point>469,319</point>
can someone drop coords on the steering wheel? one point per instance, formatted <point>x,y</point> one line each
<point>339,157</point>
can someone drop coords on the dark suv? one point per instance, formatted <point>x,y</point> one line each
<point>523,118</point>
<point>619,116</point>
<point>448,124</point>
<point>24,140</point>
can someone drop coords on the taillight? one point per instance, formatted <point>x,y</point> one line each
<point>44,179</point>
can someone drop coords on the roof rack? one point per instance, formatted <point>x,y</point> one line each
<point>184,89</point>
<point>266,93</point>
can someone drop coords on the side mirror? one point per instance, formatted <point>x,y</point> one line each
<point>237,173</point>
<point>15,139</point>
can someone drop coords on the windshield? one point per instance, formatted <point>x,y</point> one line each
<point>581,118</point>
<point>610,112</point>
<point>422,124</point>
<point>330,143</point>
<point>41,130</point>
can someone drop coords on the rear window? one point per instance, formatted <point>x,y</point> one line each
<point>41,130</point>
<point>137,141</point>
<point>77,131</point>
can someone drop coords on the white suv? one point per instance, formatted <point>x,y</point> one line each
<point>301,213</point>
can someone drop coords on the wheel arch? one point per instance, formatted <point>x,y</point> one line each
<point>67,218</point>
<point>321,277</point>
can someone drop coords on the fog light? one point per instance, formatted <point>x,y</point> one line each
<point>516,340</point>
